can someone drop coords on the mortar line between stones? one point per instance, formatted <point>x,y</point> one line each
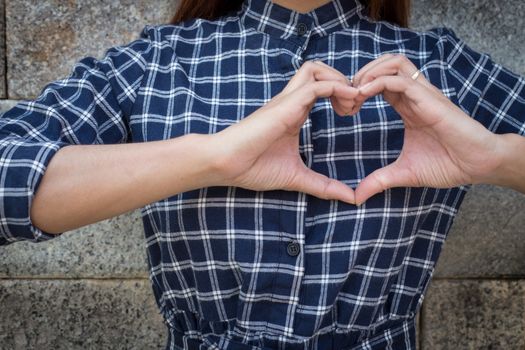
<point>5,50</point>
<point>420,327</point>
<point>62,278</point>
<point>480,278</point>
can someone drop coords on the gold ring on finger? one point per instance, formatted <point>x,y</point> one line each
<point>415,75</point>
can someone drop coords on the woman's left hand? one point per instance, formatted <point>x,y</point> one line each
<point>443,147</point>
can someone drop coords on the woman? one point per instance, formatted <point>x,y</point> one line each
<point>244,172</point>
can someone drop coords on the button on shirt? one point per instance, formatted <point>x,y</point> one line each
<point>302,29</point>
<point>222,267</point>
<point>293,249</point>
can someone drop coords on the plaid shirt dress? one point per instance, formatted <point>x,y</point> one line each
<point>237,269</point>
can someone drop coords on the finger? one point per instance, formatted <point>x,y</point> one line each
<point>355,109</point>
<point>381,179</point>
<point>300,101</point>
<point>335,71</point>
<point>311,92</point>
<point>396,65</point>
<point>321,186</point>
<point>401,83</point>
<point>287,115</point>
<point>356,80</point>
<point>311,71</point>
<point>343,107</point>
<point>386,83</point>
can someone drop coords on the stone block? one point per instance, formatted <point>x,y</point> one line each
<point>470,314</point>
<point>111,248</point>
<point>79,314</point>
<point>47,37</point>
<point>7,104</point>
<point>491,26</point>
<point>486,238</point>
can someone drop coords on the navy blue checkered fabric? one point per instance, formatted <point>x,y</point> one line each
<point>239,269</point>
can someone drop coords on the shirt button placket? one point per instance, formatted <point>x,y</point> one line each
<point>289,274</point>
<point>286,284</point>
<point>302,34</point>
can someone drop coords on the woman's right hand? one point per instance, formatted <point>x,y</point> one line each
<point>261,152</point>
<point>84,184</point>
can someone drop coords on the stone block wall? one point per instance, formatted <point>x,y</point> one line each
<point>90,289</point>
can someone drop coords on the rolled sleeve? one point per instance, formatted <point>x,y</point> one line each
<point>487,91</point>
<point>23,166</point>
<point>91,106</point>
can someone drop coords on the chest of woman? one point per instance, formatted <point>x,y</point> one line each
<point>251,247</point>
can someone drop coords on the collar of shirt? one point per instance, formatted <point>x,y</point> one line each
<point>268,17</point>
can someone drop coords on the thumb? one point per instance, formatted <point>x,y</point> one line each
<point>392,175</point>
<point>321,186</point>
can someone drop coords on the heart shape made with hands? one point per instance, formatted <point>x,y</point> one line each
<point>442,146</point>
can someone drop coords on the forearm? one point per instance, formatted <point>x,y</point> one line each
<point>84,184</point>
<point>511,170</point>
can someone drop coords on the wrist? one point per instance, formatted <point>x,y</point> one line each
<point>222,156</point>
<point>203,159</point>
<point>215,158</point>
<point>502,173</point>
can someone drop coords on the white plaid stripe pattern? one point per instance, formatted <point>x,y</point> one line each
<point>238,269</point>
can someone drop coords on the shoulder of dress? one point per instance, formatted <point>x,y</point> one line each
<point>392,33</point>
<point>193,29</point>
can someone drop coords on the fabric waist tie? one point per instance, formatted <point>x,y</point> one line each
<point>187,331</point>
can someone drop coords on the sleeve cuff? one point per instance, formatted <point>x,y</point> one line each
<point>23,167</point>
